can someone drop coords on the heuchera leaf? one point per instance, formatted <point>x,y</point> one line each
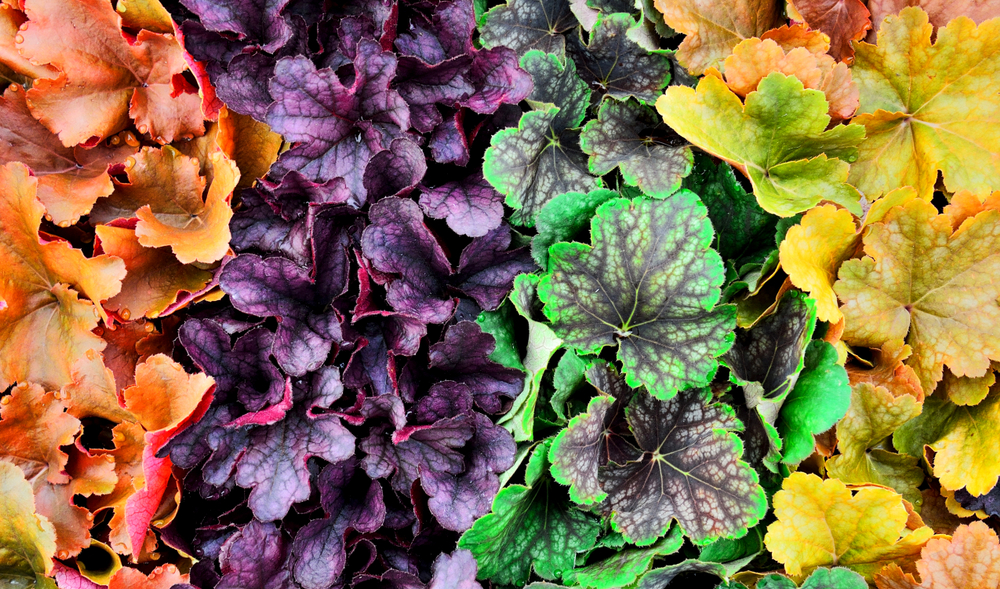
<point>625,567</point>
<point>648,284</point>
<point>471,206</point>
<point>250,557</point>
<point>629,136</point>
<point>970,558</point>
<point>46,326</point>
<point>929,107</point>
<point>27,540</point>
<point>862,530</point>
<point>663,577</point>
<point>940,13</point>
<point>563,217</point>
<point>105,80</point>
<point>833,578</point>
<point>33,426</point>
<point>690,470</point>
<point>758,139</point>
<point>524,25</point>
<point>616,64</point>
<point>842,20</point>
<point>712,29</point>
<point>257,21</point>
<point>541,158</point>
<point>463,356</point>
<point>892,294</point>
<point>531,527</point>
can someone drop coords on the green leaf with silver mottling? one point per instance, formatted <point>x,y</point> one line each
<point>556,83</point>
<point>563,217</point>
<point>835,578</point>
<point>664,577</point>
<point>615,64</point>
<point>531,526</point>
<point>500,324</point>
<point>650,285</point>
<point>819,399</point>
<point>524,25</point>
<point>567,378</point>
<point>740,224</point>
<point>626,566</point>
<point>690,471</point>
<point>542,344</point>
<point>629,136</point>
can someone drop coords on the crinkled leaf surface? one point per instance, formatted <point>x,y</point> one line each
<point>970,558</point>
<point>690,470</point>
<point>629,136</point>
<point>105,80</point>
<point>613,63</point>
<point>563,217</point>
<point>822,522</point>
<point>45,327</point>
<point>842,20</point>
<point>813,251</point>
<point>532,527</point>
<point>663,577</point>
<point>649,284</point>
<point>929,107</point>
<point>778,139</point>
<point>541,158</point>
<point>524,25</point>
<point>939,303</point>
<point>471,206</point>
<point>713,29</point>
<point>33,426</point>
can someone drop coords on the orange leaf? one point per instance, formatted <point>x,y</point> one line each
<point>104,78</point>
<point>250,143</point>
<point>33,424</point>
<point>46,327</point>
<point>70,180</point>
<point>145,14</point>
<point>941,12</point>
<point>155,278</point>
<point>163,577</point>
<point>10,21</point>
<point>969,559</point>
<point>842,20</point>
<point>164,394</point>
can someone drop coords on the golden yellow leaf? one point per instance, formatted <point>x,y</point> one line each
<point>27,540</point>
<point>250,143</point>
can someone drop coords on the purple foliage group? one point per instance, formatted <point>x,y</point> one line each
<point>350,438</point>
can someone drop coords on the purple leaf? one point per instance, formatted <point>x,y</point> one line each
<point>464,356</point>
<point>396,171</point>
<point>407,452</point>
<point>292,196</point>
<point>257,21</point>
<point>445,34</point>
<point>351,501</point>
<point>244,369</point>
<point>252,556</point>
<point>445,399</point>
<point>397,241</point>
<point>497,79</point>
<point>338,128</point>
<point>457,501</point>
<point>448,143</point>
<point>243,86</point>
<point>257,227</point>
<point>471,206</point>
<point>421,85</point>
<point>277,287</point>
<point>457,571</point>
<point>486,268</point>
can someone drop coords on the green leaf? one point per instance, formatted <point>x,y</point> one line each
<point>541,158</point>
<point>626,566</point>
<point>690,470</point>
<point>740,224</point>
<point>726,550</point>
<point>542,343</point>
<point>524,25</point>
<point>500,324</point>
<point>663,577</point>
<point>649,284</point>
<point>563,217</point>
<point>820,398</point>
<point>532,526</point>
<point>613,63</point>
<point>567,378</point>
<point>835,578</point>
<point>27,540</point>
<point>629,136</point>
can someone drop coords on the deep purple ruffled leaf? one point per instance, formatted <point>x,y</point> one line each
<point>257,227</point>
<point>251,557</point>
<point>497,80</point>
<point>257,21</point>
<point>395,171</point>
<point>243,86</point>
<point>423,85</point>
<point>448,142</point>
<point>464,356</point>
<point>471,206</point>
<point>444,399</point>
<point>486,268</point>
<point>457,571</point>
<point>397,241</point>
<point>278,287</point>
<point>415,449</point>
<point>445,34</point>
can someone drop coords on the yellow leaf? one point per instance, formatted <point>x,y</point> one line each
<point>921,282</point>
<point>822,523</point>
<point>929,107</point>
<point>27,540</point>
<point>970,559</point>
<point>46,327</point>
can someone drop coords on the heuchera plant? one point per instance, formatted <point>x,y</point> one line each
<point>350,439</point>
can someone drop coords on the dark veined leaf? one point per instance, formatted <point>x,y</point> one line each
<point>649,284</point>
<point>690,470</point>
<point>471,206</point>
<point>630,137</point>
<point>664,577</point>
<point>613,63</point>
<point>541,158</point>
<point>532,526</point>
<point>524,25</point>
<point>563,217</point>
